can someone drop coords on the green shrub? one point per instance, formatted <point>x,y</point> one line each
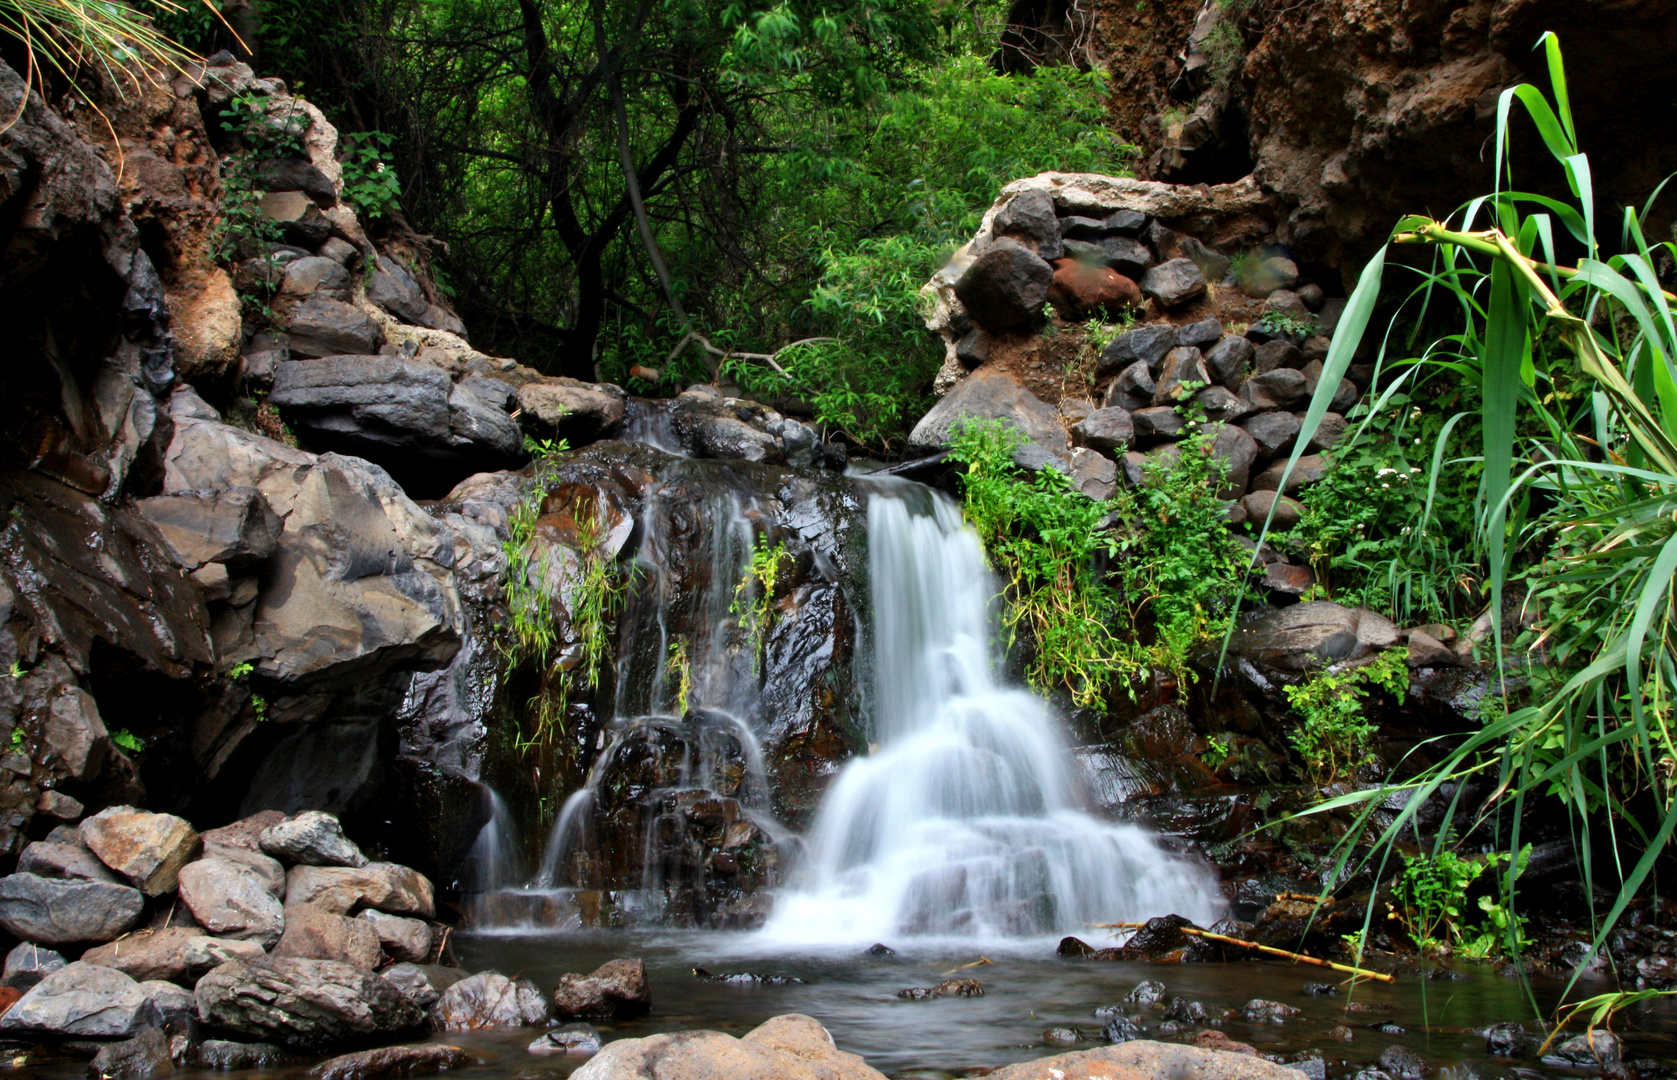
<point>1333,736</point>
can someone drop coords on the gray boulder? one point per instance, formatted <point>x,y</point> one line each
<point>57,912</point>
<point>1272,431</point>
<point>490,999</point>
<point>1306,471</point>
<point>1312,634</point>
<point>1158,422</point>
<point>320,326</point>
<point>1110,431</point>
<point>1238,453</point>
<point>1129,257</point>
<point>146,848</point>
<point>1221,405</point>
<point>1280,353</point>
<point>1132,389</point>
<point>989,395</point>
<point>710,425</point>
<point>1005,286</point>
<point>424,983</point>
<point>1094,474</point>
<point>1144,343</point>
<point>1174,283</point>
<point>82,1000</point>
<point>64,861</point>
<point>315,276</point>
<point>306,1004</point>
<point>1145,1058</point>
<point>295,174</point>
<point>74,736</point>
<point>143,1057</point>
<point>1199,335</point>
<point>1229,360</point>
<point>232,899</point>
<point>1182,375</point>
<point>554,407</point>
<point>1282,388</point>
<point>1029,218</point>
<point>311,838</point>
<point>616,990</point>
<point>27,964</point>
<point>392,288</point>
<point>232,526</point>
<point>402,939</point>
<point>225,1056</point>
<point>413,1060</point>
<point>313,933</point>
<point>1258,505</point>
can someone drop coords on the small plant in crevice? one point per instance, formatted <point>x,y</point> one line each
<point>242,217</point>
<point>1224,49</point>
<point>679,662</point>
<point>1431,903</point>
<point>1333,737</point>
<point>1289,323</point>
<point>127,741</point>
<point>754,594</point>
<point>17,739</point>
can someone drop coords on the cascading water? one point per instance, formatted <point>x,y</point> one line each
<point>966,818</point>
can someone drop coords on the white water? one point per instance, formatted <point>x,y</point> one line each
<point>966,820</point>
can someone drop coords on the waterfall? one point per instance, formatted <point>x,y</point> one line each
<point>966,819</point>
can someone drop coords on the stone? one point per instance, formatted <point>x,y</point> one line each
<point>384,886</point>
<point>232,899</point>
<point>340,251</point>
<point>1329,431</point>
<point>973,349</point>
<point>402,939</point>
<point>1274,432</point>
<point>987,394</point>
<point>1074,947</point>
<point>1306,471</point>
<point>1029,218</point>
<point>69,862</point>
<point>1282,388</point>
<point>1132,389</point>
<point>1106,430</point>
<point>82,1000</point>
<point>226,1056</point>
<point>1077,227</point>
<point>1143,1059</point>
<point>1005,286</point>
<point>27,964</point>
<point>232,526</point>
<point>1311,635</point>
<point>1403,1063</point>
<point>1181,376</point>
<point>1093,474</point>
<point>1199,335</point>
<point>74,736</point>
<point>1129,257</point>
<point>62,912</point>
<point>490,999</point>
<point>320,326</point>
<point>150,954</point>
<point>148,849</point>
<point>1345,396</point>
<point>577,1040</point>
<point>1212,1039</point>
<point>56,804</point>
<point>1264,1011</point>
<point>313,933</point>
<point>1230,360</point>
<point>1158,422</point>
<point>311,838</point>
<point>1121,1029</point>
<point>1079,290</point>
<point>1511,1040</point>
<point>424,983</point>
<point>307,1004</point>
<point>1220,405</point>
<point>1238,452</point>
<point>245,833</point>
<point>1277,354</point>
<point>965,988</point>
<point>1146,992</point>
<point>412,1060</point>
<point>143,1057</point>
<point>392,288</point>
<point>172,1007</point>
<point>1144,343</point>
<point>315,276</point>
<point>1287,511</point>
<point>1286,303</point>
<point>617,989</point>
<point>1426,651</point>
<point>266,868</point>
<point>1174,283</point>
<point>788,1047</point>
<point>295,174</point>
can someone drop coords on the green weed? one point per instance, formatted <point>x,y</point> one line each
<point>1333,736</point>
<point>754,594</point>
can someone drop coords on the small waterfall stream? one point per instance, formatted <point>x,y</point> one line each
<point>967,817</point>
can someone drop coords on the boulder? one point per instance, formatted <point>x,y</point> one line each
<point>321,326</point>
<point>1402,1063</point>
<point>559,408</point>
<point>785,1048</point>
<point>384,886</point>
<point>58,912</point>
<point>1306,471</point>
<point>1110,431</point>
<point>1174,283</point>
<point>299,218</point>
<point>1426,651</point>
<point>1230,360</point>
<point>987,394</point>
<point>1200,335</point>
<point>615,990</point>
<point>153,953</point>
<point>1258,504</point>
<point>82,1000</point>
<point>1311,635</point>
<point>1005,286</point>
<point>245,833</point>
<point>712,426</point>
<point>69,862</point>
<point>1328,432</point>
<point>1129,257</point>
<point>1238,452</point>
<point>313,933</point>
<point>490,999</point>
<point>225,1056</point>
<point>1145,343</point>
<point>74,736</point>
<point>1282,388</point>
<point>143,1057</point>
<point>295,174</point>
<point>578,1040</point>
<point>1273,355</point>
<point>148,849</point>
<point>1132,389</point>
<point>1029,218</point>
<point>1158,422</point>
<point>1079,290</point>
<point>1147,992</point>
<point>1264,1011</point>
<point>1220,405</point>
<point>267,869</point>
<point>232,526</point>
<point>1591,1050</point>
<point>1092,473</point>
<point>402,939</point>
<point>1345,396</point>
<point>233,900</point>
<point>1181,375</point>
<point>1272,431</point>
<point>27,964</point>
<point>311,838</point>
<point>315,276</point>
<point>392,288</point>
<point>308,1004</point>
<point>413,1060</point>
<point>424,983</point>
<point>172,1007</point>
<point>1143,1059</point>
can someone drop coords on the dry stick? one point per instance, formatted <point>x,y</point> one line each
<point>1270,949</point>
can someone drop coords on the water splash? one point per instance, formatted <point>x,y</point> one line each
<point>967,819</point>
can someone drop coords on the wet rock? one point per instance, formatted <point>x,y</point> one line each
<point>143,1057</point>
<point>490,999</point>
<point>578,1040</point>
<point>1308,1062</point>
<point>989,395</point>
<point>402,939</point>
<point>313,933</point>
<point>306,1004</point>
<point>1146,1058</point>
<point>1402,1063</point>
<point>1174,283</point>
<point>1287,579</point>
<point>788,1047</point>
<point>1511,1040</point>
<point>1592,1050</point>
<point>1341,1033</point>
<point>228,1056</point>
<point>386,887</point>
<point>1258,505</point>
<point>1316,989</point>
<point>1148,992</point>
<point>745,978</point>
<point>1212,1039</point>
<point>880,949</point>
<point>1145,344</point>
<point>56,912</point>
<point>75,736</point>
<point>320,326</point>
<point>67,862</point>
<point>148,849</point>
<point>615,990</point>
<point>82,1000</point>
<point>1061,1036</point>
<point>1074,947</point>
<point>1426,651</point>
<point>1106,430</point>
<point>1121,1029</point>
<point>232,899</point>
<point>412,1060</point>
<point>232,526</point>
<point>1187,1011</point>
<point>947,988</point>
<point>27,964</point>
<point>424,983</point>
<point>1005,286</point>
<point>560,408</point>
<point>1080,291</point>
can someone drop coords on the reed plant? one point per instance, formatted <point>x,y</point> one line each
<point>65,37</point>
<point>1576,404</point>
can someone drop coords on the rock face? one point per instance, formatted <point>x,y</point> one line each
<point>490,999</point>
<point>54,912</point>
<point>81,1000</point>
<point>303,1003</point>
<point>789,1047</point>
<point>614,991</point>
<point>144,1056</point>
<point>147,849</point>
<point>562,408</point>
<point>1312,634</point>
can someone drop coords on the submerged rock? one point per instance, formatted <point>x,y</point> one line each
<point>746,978</point>
<point>237,1056</point>
<point>411,1060</point>
<point>948,988</point>
<point>1145,1058</point>
<point>143,1057</point>
<point>424,983</point>
<point>580,1040</point>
